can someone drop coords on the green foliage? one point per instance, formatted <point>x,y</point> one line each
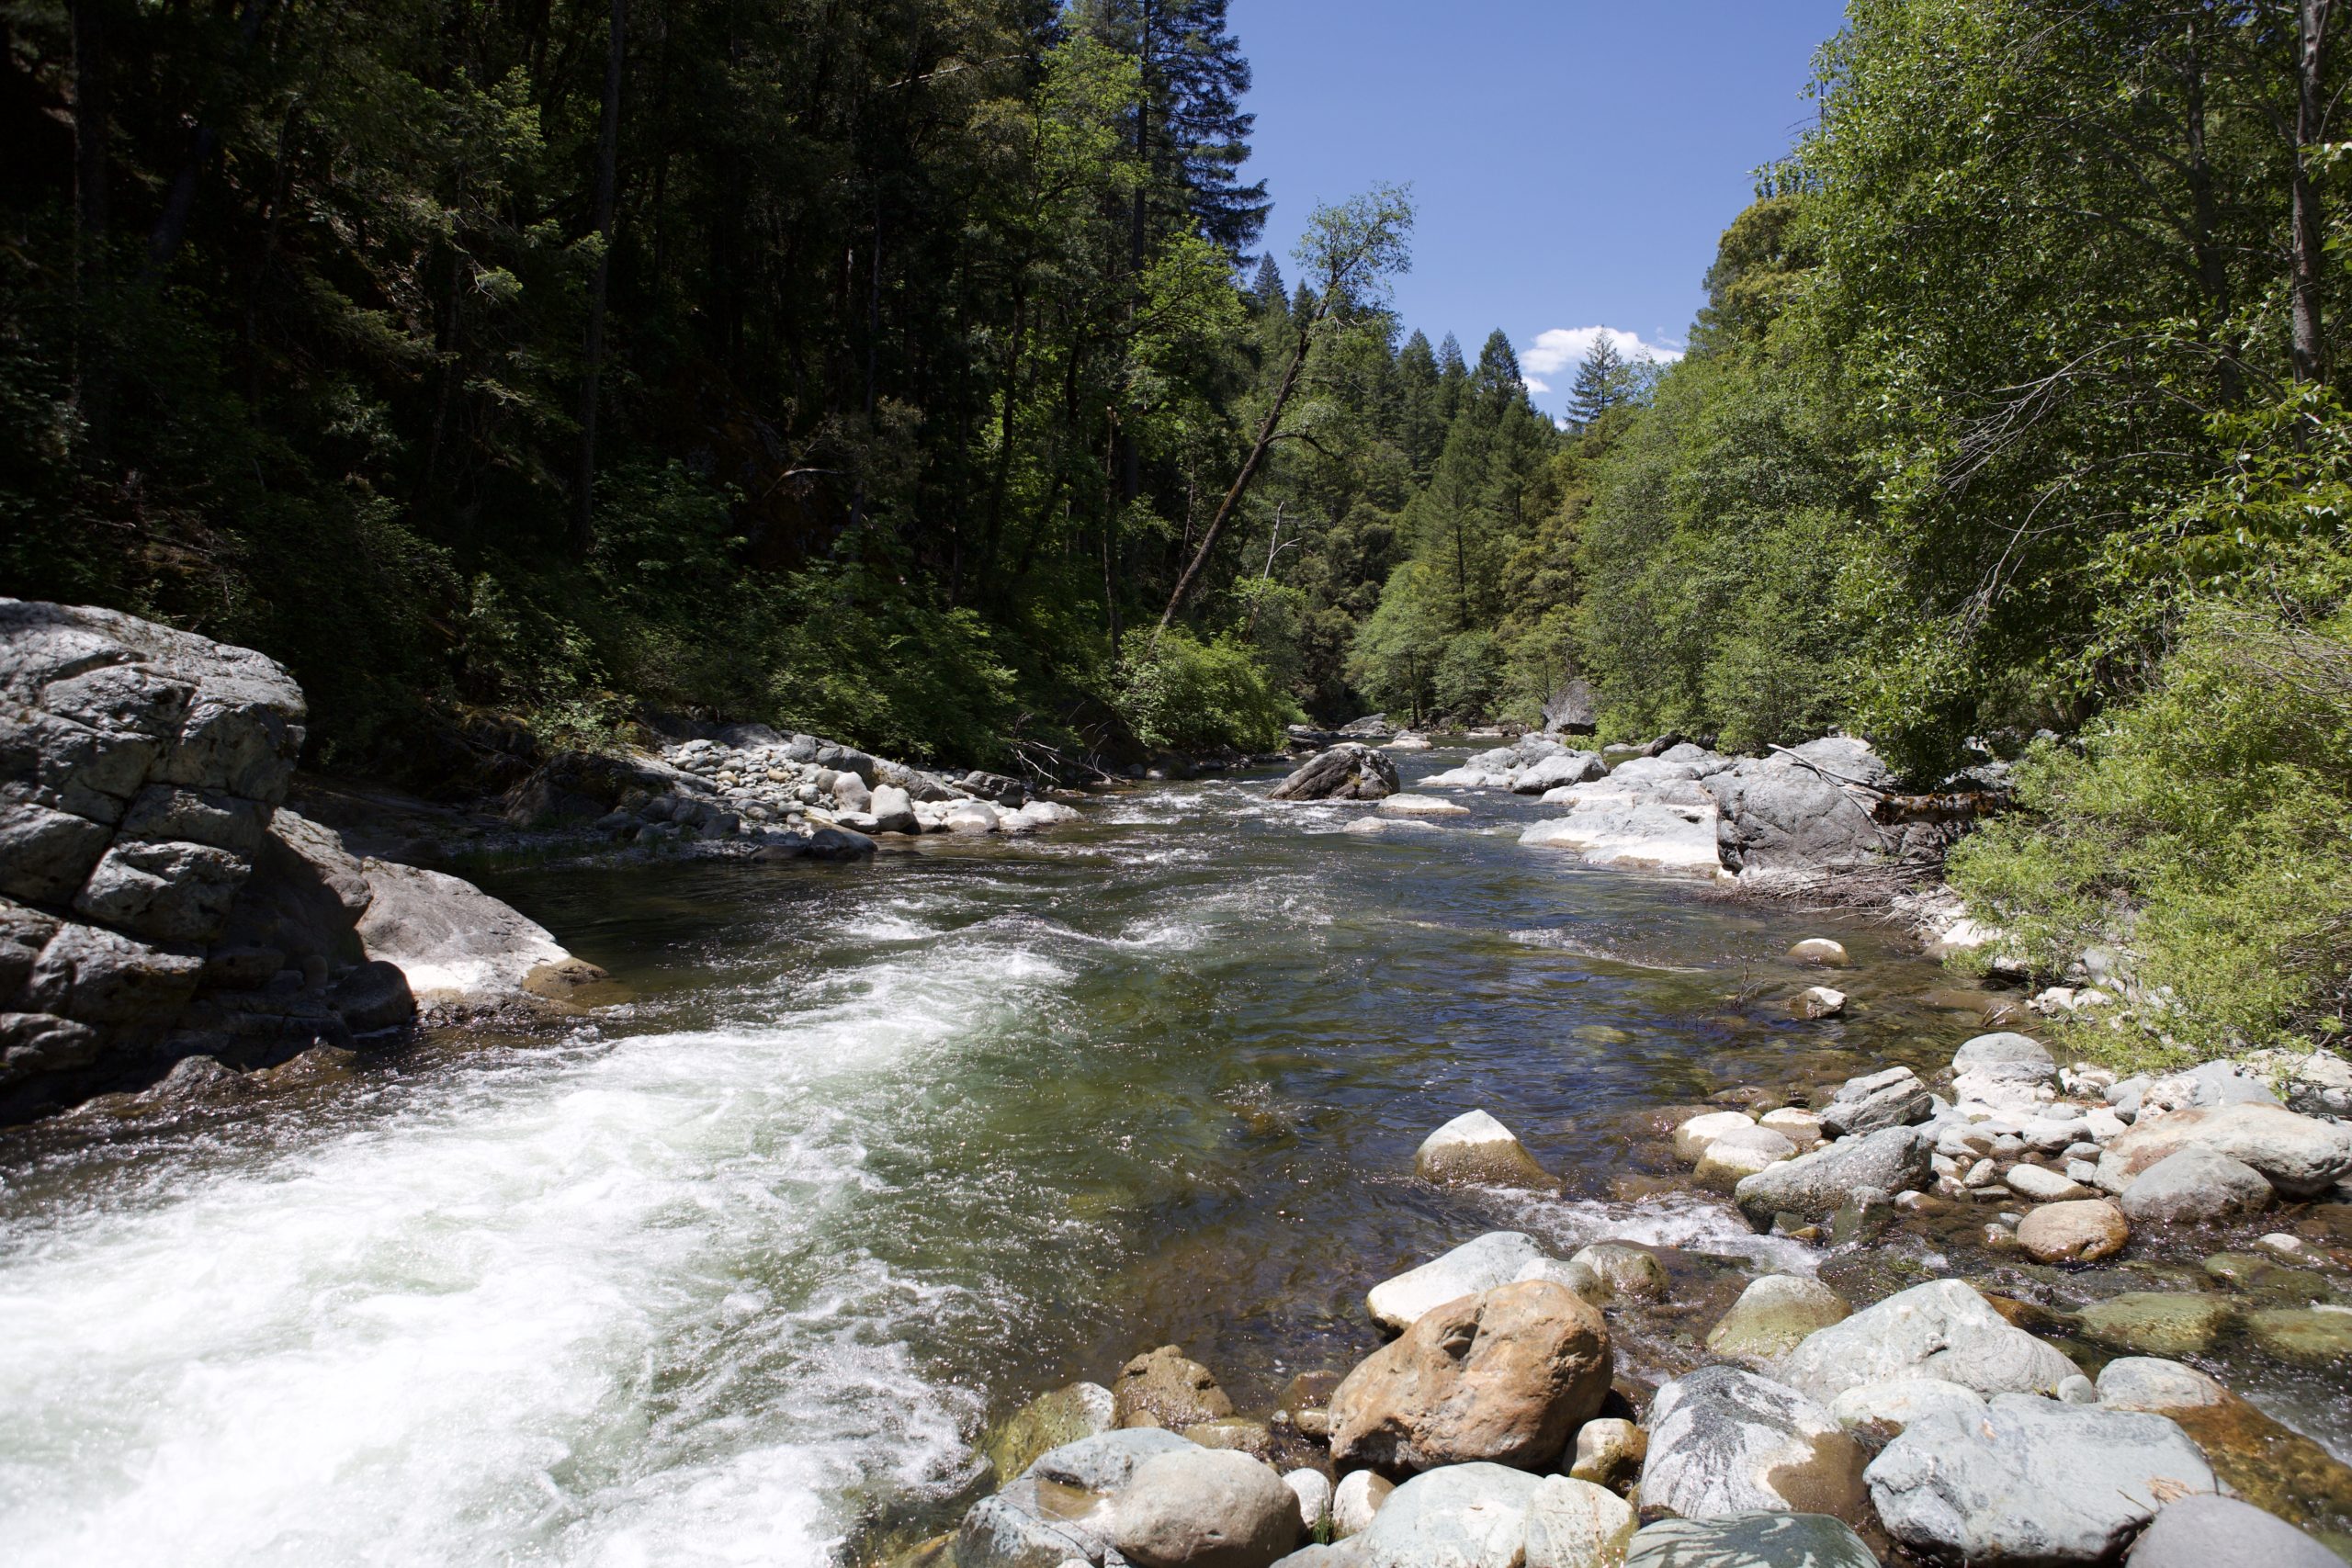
<point>1186,695</point>
<point>2205,829</point>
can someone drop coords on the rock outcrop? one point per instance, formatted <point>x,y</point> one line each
<point>1349,770</point>
<point>157,900</point>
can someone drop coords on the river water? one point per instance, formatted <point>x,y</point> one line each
<point>742,1272</point>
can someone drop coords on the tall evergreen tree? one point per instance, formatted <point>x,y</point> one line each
<point>1604,382</point>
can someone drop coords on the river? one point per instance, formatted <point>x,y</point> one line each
<point>741,1271</point>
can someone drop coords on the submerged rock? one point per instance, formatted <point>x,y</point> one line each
<point>1047,1422</point>
<point>2158,1323</point>
<point>1773,1317</point>
<point>1170,1389</point>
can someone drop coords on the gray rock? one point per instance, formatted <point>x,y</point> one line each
<point>2301,1156</point>
<point>45,854</point>
<point>2154,1383</point>
<point>2032,1482</point>
<point>1780,816</point>
<point>1575,1524</point>
<point>2007,1058</point>
<point>1942,1329</point>
<point>839,845</point>
<point>1104,1461</point>
<point>456,943</point>
<point>1312,1489</point>
<point>2196,1185</point>
<point>2208,1531</point>
<point>96,975</point>
<point>893,810</point>
<point>1623,1272</point>
<point>1202,1508</point>
<point>1354,1501</point>
<point>170,892</point>
<point>1722,1440</point>
<point>35,1043</point>
<point>1476,1148</point>
<point>1013,1529</point>
<point>1818,1184</point>
<point>1346,771</point>
<point>1464,1515</point>
<point>373,997</point>
<point>1497,1257</point>
<point>1882,1409</point>
<point>1895,1098</point>
<point>1552,772</point>
<point>1750,1541</point>
<point>2226,1083</point>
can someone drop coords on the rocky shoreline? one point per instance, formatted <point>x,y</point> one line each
<point>1951,1421</point>
<point>171,925</point>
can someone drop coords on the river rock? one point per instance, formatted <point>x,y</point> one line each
<point>2007,1057</point>
<point>1236,1433</point>
<point>2311,1337</point>
<point>1818,1184</point>
<point>1882,1410</point>
<point>1349,770</point>
<point>1464,1515</point>
<point>1741,1152</point>
<point>1312,1488</point>
<point>1608,1452</point>
<point>1640,824</point>
<point>1503,1375</point>
<point>2196,1185</point>
<point>1821,951</point>
<point>1203,1509</point>
<point>971,818</point>
<point>1772,1317</point>
<point>2300,1156</point>
<point>1818,1001</point>
<point>1942,1329</point>
<point>1055,1512</point>
<point>1772,1540</point>
<point>1354,1501</point>
<point>1789,813</point>
<point>1422,806</point>
<point>1497,1257</point>
<point>2032,1482</point>
<point>1800,1126</point>
<point>1047,1422</point>
<point>456,943</point>
<point>893,810</point>
<point>1169,1388</point>
<point>2208,1531</point>
<point>1624,1272</point>
<point>1474,1148</point>
<point>2082,1232</point>
<point>1872,1103</point>
<point>2158,1323</point>
<point>2038,1185</point>
<point>2154,1383</point>
<point>1691,1139</point>
<point>1558,772</point>
<point>1574,1524</point>
<point>1723,1440</point>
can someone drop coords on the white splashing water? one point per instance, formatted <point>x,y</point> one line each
<point>600,1305</point>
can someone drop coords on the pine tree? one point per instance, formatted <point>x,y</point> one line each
<point>1194,134</point>
<point>1266,289</point>
<point>1453,374</point>
<point>1604,382</point>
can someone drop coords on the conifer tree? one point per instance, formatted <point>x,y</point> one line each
<point>1604,382</point>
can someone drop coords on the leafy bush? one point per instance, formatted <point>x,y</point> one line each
<point>2205,830</point>
<point>1188,695</point>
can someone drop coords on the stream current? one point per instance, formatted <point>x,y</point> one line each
<point>742,1271</point>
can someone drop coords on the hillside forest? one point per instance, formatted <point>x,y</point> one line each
<point>924,374</point>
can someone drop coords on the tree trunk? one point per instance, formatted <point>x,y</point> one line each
<point>608,146</point>
<point>93,355</point>
<point>1232,501</point>
<point>2306,346</point>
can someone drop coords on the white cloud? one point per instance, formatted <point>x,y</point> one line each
<point>1563,348</point>
<point>1532,384</point>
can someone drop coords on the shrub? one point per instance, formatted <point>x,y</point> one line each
<point>2202,830</point>
<point>1187,695</point>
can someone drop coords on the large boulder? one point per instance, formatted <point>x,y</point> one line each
<point>1942,1329</point>
<point>2196,1185</point>
<point>1772,1540</point>
<point>2301,1156</point>
<point>1818,1184</point>
<point>1497,1257</point>
<point>1505,1375</point>
<point>1203,1509</point>
<point>2205,1531</point>
<point>1476,1149</point>
<point>1635,822</point>
<point>1558,772</point>
<point>1465,1515</point>
<point>2032,1482</point>
<point>1058,1511</point>
<point>1806,811</point>
<point>1347,771</point>
<point>2005,1058</point>
<point>1723,1440</point>
<point>456,944</point>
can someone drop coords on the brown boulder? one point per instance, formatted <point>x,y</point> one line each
<point>2080,1231</point>
<point>1163,1388</point>
<point>1504,1375</point>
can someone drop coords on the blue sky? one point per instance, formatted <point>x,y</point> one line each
<point>1573,160</point>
